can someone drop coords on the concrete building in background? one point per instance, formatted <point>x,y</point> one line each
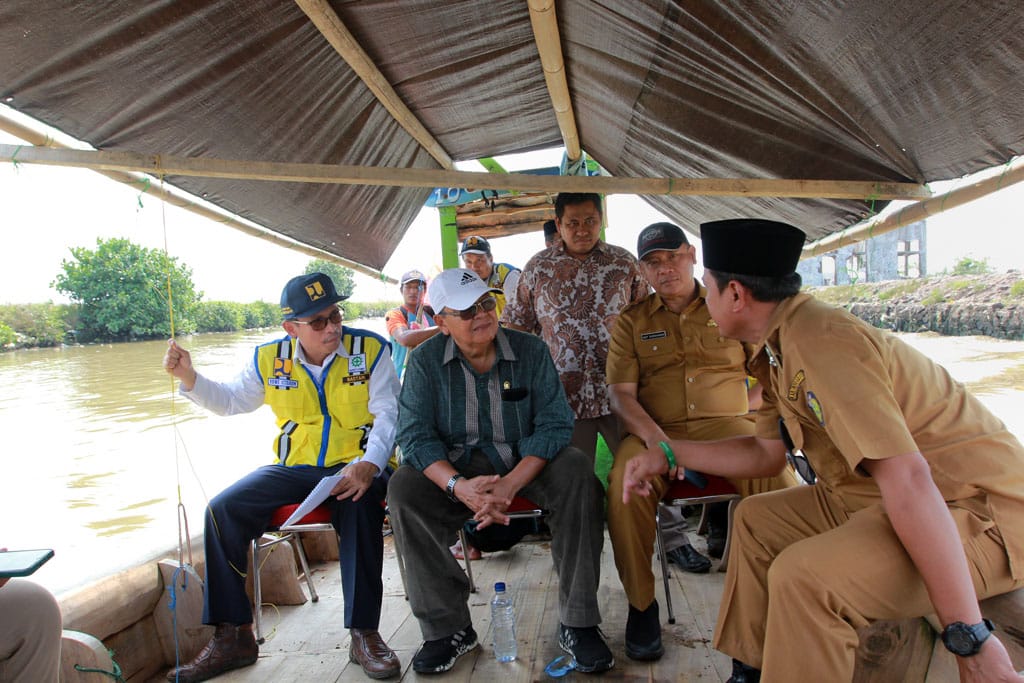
<point>897,255</point>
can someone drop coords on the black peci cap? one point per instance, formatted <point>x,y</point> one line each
<point>751,246</point>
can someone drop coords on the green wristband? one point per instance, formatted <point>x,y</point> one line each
<point>669,455</point>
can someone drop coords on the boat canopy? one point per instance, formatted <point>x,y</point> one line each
<point>866,90</point>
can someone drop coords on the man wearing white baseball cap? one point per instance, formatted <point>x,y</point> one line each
<point>483,417</point>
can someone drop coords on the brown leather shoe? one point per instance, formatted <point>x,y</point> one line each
<point>371,652</point>
<point>231,647</point>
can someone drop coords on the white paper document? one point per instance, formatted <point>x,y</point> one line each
<point>316,496</point>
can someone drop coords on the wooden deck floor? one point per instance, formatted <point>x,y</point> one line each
<point>308,642</point>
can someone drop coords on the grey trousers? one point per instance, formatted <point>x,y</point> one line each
<point>424,521</point>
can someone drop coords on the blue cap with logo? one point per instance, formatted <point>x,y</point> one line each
<point>307,295</point>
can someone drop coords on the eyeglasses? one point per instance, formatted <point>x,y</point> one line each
<point>796,457</point>
<point>318,324</point>
<point>485,305</point>
<point>590,223</point>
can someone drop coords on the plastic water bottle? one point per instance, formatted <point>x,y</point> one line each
<point>503,624</point>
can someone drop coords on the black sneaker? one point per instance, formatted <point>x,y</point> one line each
<point>587,647</point>
<point>689,560</point>
<point>438,656</point>
<point>643,634</point>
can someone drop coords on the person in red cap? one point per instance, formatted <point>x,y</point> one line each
<point>918,505</point>
<point>412,323</point>
<point>334,392</point>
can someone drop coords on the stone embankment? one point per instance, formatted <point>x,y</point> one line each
<point>954,305</point>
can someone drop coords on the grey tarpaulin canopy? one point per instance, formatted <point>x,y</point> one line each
<point>869,90</point>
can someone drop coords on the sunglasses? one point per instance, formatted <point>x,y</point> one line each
<point>485,305</point>
<point>318,324</point>
<point>796,457</point>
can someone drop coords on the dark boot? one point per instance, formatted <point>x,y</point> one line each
<point>643,634</point>
<point>231,647</point>
<point>718,528</point>
<point>741,673</point>
<point>688,559</point>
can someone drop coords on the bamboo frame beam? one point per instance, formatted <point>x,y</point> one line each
<point>334,30</point>
<point>183,200</point>
<point>1012,173</point>
<point>549,46</point>
<point>161,165</point>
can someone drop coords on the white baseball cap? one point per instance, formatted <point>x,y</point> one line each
<point>457,289</point>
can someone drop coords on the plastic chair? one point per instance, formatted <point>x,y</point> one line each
<point>683,492</point>
<point>317,520</point>
<point>520,508</point>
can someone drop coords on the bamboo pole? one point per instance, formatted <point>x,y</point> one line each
<point>161,165</point>
<point>333,29</point>
<point>549,47</point>
<point>183,200</point>
<point>1012,173</point>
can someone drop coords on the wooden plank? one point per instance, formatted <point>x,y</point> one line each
<point>82,651</point>
<point>162,165</point>
<point>114,603</point>
<point>894,650</point>
<point>135,652</point>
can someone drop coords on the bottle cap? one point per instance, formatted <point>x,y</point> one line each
<point>499,587</point>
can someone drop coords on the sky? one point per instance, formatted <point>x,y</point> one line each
<point>48,210</point>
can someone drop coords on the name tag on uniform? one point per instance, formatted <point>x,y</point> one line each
<point>648,336</point>
<point>282,383</point>
<point>356,379</point>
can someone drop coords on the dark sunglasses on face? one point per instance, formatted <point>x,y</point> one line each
<point>318,324</point>
<point>796,457</point>
<point>485,305</point>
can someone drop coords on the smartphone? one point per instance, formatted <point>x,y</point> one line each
<point>22,562</point>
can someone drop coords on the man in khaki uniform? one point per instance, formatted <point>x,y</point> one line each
<point>919,501</point>
<point>671,374</point>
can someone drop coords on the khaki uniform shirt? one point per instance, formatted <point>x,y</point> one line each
<point>849,391</point>
<point>684,368</point>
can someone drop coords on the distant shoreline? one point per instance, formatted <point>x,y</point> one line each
<point>990,305</point>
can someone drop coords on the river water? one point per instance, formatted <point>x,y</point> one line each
<point>98,448</point>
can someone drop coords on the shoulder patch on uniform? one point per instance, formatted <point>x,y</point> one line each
<point>794,386</point>
<point>815,406</point>
<point>648,336</point>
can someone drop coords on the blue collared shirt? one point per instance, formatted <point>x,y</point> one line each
<point>517,408</point>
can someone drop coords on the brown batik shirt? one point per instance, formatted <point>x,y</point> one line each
<point>573,304</point>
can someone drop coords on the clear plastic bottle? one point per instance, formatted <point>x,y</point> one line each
<point>503,625</point>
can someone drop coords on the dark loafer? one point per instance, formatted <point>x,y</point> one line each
<point>370,651</point>
<point>230,648</point>
<point>689,560</point>
<point>741,673</point>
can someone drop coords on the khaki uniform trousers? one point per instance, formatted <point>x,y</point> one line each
<point>631,526</point>
<point>30,633</point>
<point>805,573</point>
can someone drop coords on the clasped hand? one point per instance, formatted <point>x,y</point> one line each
<point>488,496</point>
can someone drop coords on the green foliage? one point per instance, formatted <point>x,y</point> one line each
<point>1017,289</point>
<point>356,309</point>
<point>122,289</point>
<point>967,265</point>
<point>937,296</point>
<point>261,314</point>
<point>904,288</point>
<point>342,276</point>
<point>7,335</point>
<point>219,316</point>
<point>38,324</point>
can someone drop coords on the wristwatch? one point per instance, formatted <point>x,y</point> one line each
<point>450,488</point>
<point>964,640</point>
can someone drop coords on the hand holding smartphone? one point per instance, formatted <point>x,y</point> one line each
<point>14,563</point>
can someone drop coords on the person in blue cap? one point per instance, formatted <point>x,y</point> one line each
<point>334,393</point>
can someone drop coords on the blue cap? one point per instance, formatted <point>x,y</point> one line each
<point>499,587</point>
<point>308,294</point>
